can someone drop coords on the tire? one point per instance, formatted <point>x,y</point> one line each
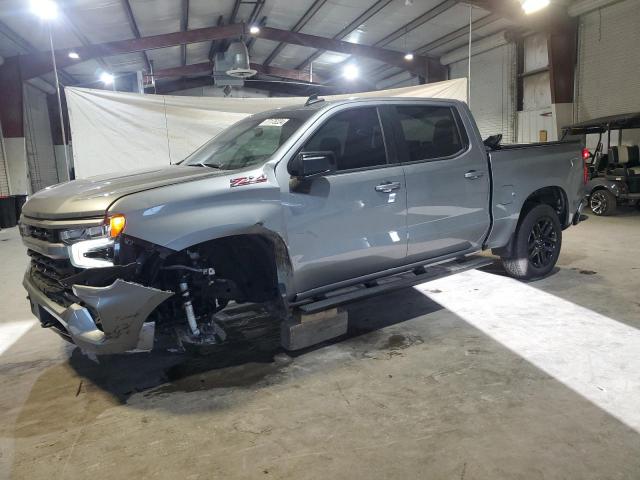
<point>603,202</point>
<point>536,245</point>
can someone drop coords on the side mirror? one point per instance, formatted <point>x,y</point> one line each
<point>312,164</point>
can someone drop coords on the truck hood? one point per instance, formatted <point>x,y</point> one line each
<point>92,196</point>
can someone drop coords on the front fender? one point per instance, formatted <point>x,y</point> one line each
<point>179,216</point>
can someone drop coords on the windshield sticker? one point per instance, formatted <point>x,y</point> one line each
<point>243,181</point>
<point>273,122</point>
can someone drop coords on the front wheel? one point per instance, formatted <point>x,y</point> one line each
<point>537,244</point>
<point>603,202</point>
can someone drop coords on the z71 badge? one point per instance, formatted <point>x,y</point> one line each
<point>242,181</point>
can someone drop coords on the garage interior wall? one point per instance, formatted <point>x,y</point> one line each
<point>608,77</point>
<point>536,122</point>
<point>41,158</point>
<point>493,87</point>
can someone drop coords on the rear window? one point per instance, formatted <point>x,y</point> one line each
<point>428,132</point>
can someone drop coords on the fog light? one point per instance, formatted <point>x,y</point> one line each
<point>116,225</point>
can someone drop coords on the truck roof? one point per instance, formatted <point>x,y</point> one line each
<point>321,103</point>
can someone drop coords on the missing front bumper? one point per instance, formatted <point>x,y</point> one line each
<point>121,309</point>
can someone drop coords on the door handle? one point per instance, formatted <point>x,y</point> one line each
<point>387,187</point>
<point>472,174</point>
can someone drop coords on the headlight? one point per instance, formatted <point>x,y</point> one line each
<point>79,234</point>
<point>95,247</point>
<point>95,253</point>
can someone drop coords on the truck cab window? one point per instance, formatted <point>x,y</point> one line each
<point>248,143</point>
<point>355,136</point>
<point>428,132</point>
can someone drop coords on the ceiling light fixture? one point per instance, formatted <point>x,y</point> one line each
<point>73,55</point>
<point>254,30</point>
<point>532,6</point>
<point>45,9</point>
<point>408,56</point>
<point>350,72</point>
<point>106,78</point>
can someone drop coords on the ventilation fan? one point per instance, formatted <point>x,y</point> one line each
<point>232,66</point>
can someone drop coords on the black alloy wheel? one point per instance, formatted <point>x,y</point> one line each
<point>542,242</point>
<point>536,245</point>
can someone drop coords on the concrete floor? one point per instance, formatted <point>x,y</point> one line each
<point>511,381</point>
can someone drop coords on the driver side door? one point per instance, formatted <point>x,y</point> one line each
<point>351,222</point>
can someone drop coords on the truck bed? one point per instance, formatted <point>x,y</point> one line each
<point>526,168</point>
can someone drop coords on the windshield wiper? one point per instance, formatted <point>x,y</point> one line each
<point>210,165</point>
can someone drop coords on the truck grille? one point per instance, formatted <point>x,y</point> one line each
<point>48,273</point>
<point>50,235</point>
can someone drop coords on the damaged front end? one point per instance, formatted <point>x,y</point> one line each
<point>107,320</point>
<point>107,292</point>
<point>78,285</point>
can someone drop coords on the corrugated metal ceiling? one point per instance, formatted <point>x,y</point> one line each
<point>97,21</point>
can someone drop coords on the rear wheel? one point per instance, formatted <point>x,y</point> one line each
<point>603,202</point>
<point>537,244</point>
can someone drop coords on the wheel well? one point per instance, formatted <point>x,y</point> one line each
<point>256,263</point>
<point>555,197</point>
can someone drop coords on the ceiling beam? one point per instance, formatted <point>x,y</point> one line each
<point>255,13</point>
<point>40,63</point>
<point>388,56</point>
<point>353,26</point>
<point>207,68</point>
<point>234,11</point>
<point>311,11</point>
<point>184,26</point>
<point>136,31</point>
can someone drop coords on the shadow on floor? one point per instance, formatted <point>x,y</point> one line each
<point>237,365</point>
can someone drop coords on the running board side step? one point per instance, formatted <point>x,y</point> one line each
<point>394,282</point>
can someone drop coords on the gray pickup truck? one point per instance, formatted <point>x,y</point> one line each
<point>298,209</point>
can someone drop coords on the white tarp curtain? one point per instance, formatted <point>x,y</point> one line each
<point>114,132</point>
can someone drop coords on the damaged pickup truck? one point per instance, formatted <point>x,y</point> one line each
<point>297,210</point>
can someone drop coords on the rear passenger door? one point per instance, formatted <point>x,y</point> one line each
<point>351,222</point>
<point>448,182</point>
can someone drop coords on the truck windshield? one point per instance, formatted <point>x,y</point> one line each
<point>249,142</point>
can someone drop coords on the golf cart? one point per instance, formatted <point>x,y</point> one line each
<point>614,175</point>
